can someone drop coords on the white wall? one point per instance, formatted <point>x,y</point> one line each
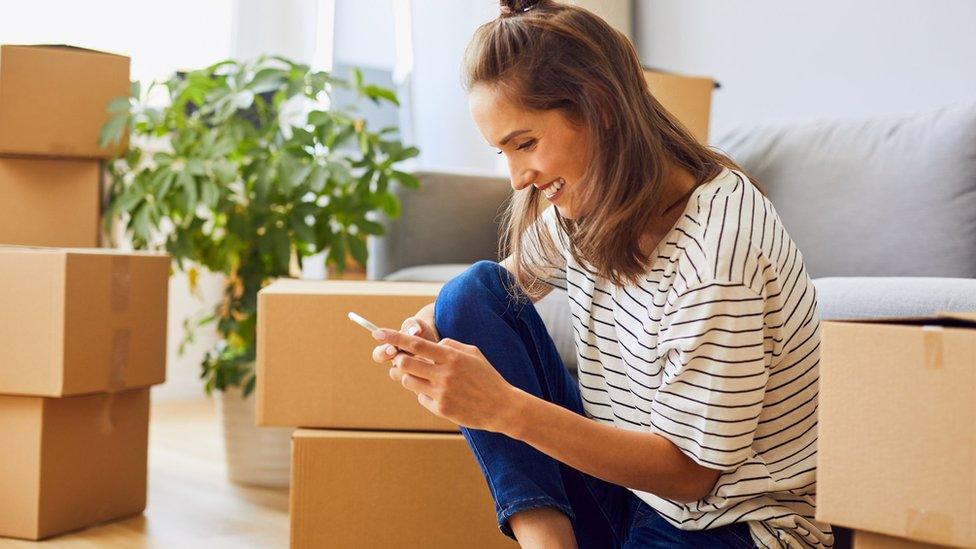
<point>147,35</point>
<point>809,59</point>
<point>282,27</point>
<point>442,127</point>
<point>364,35</point>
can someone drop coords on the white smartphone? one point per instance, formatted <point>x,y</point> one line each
<point>363,322</point>
<point>369,326</point>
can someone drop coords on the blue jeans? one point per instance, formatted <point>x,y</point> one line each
<point>476,308</point>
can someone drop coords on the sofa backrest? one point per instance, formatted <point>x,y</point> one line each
<point>451,218</point>
<point>891,196</point>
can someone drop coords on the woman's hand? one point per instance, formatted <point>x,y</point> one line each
<point>453,380</point>
<point>420,324</point>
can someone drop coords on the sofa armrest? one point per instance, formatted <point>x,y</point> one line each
<point>451,218</point>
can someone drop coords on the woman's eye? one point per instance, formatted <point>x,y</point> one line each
<point>523,147</point>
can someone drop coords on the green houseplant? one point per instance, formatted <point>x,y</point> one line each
<point>243,170</point>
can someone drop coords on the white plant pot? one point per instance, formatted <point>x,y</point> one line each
<point>256,456</point>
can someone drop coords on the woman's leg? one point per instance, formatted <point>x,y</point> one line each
<point>650,530</point>
<point>475,308</point>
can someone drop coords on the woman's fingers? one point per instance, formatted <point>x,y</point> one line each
<point>411,382</point>
<point>382,353</point>
<point>419,327</point>
<point>412,326</point>
<point>414,345</point>
<point>415,366</point>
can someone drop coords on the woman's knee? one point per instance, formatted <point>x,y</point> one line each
<point>481,286</point>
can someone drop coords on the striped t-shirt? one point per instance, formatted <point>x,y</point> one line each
<point>716,349</point>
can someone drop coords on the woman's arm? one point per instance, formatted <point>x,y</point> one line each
<point>639,460</point>
<point>455,381</point>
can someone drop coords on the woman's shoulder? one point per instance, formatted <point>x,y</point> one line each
<point>725,219</point>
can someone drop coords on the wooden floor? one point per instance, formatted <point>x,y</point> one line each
<point>191,503</point>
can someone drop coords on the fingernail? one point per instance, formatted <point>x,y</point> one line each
<point>390,351</point>
<point>379,334</point>
<point>413,330</point>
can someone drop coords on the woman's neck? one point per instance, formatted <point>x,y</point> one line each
<point>676,192</point>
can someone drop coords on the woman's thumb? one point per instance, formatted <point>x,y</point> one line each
<point>419,327</point>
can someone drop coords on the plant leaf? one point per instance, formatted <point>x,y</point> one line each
<point>405,179</point>
<point>357,248</point>
<point>375,92</point>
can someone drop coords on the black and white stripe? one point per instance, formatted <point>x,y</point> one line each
<point>717,349</point>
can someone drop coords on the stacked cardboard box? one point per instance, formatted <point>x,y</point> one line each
<point>897,424</point>
<point>371,467</point>
<point>688,98</point>
<point>82,337</point>
<point>53,102</point>
<point>82,330</point>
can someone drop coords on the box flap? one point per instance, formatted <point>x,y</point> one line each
<point>62,47</point>
<point>352,287</point>
<point>942,318</point>
<point>663,71</point>
<point>77,251</point>
<point>302,433</point>
<point>965,317</point>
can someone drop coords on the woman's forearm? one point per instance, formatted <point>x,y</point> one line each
<point>638,460</point>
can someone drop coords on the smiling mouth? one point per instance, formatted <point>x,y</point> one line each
<point>554,189</point>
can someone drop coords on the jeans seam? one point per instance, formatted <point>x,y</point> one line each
<point>491,483</point>
<point>519,505</point>
<point>603,511</point>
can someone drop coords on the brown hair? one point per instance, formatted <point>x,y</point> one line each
<point>545,55</point>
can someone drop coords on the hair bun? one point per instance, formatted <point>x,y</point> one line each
<point>515,7</point>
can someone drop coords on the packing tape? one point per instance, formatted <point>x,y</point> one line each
<point>932,346</point>
<point>106,423</point>
<point>121,338</point>
<point>121,282</point>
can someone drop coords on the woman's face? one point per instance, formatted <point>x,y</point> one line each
<point>543,148</point>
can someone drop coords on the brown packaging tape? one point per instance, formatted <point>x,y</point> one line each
<point>932,346</point>
<point>106,423</point>
<point>121,283</point>
<point>121,287</point>
<point>120,358</point>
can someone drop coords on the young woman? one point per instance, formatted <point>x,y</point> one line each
<point>693,423</point>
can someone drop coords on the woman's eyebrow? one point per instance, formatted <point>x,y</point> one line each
<point>508,137</point>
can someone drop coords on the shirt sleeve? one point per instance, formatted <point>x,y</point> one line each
<point>715,374</point>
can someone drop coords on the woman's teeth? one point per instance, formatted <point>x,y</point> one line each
<point>551,190</point>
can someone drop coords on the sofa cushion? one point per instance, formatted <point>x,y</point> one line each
<point>451,218</point>
<point>553,309</point>
<point>858,297</point>
<point>892,196</point>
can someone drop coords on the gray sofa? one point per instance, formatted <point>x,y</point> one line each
<point>883,210</point>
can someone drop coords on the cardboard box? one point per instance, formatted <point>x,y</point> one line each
<point>71,462</point>
<point>53,99</point>
<point>385,489</point>
<point>869,540</point>
<point>50,202</point>
<point>315,366</point>
<point>77,321</point>
<point>897,427</point>
<point>688,98</point>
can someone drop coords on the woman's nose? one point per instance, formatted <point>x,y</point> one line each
<point>522,179</point>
